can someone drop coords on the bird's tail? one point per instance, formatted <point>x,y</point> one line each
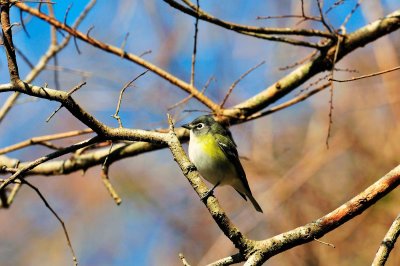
<point>254,202</point>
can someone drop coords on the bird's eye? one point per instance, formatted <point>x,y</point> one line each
<point>199,125</point>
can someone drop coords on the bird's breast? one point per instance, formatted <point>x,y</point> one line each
<point>210,160</point>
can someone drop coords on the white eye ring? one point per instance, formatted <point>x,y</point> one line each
<point>200,125</point>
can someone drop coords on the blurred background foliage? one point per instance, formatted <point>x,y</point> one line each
<point>293,175</point>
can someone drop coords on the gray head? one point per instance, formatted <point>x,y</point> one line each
<point>205,124</point>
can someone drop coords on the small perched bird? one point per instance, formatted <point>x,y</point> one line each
<point>213,152</point>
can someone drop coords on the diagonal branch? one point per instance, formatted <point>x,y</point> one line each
<point>321,63</point>
<point>121,53</point>
<point>388,243</point>
<point>51,52</point>
<point>20,173</point>
<point>331,221</point>
<point>244,28</point>
<point>41,139</point>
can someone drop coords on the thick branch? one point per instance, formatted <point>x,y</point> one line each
<point>245,28</point>
<point>89,159</point>
<point>8,42</point>
<point>331,221</point>
<point>320,64</point>
<point>101,129</point>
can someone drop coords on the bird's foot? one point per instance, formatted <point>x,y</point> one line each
<point>208,193</point>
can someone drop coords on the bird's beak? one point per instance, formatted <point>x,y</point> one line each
<point>187,126</point>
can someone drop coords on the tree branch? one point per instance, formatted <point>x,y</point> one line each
<point>121,53</point>
<point>387,243</point>
<point>321,63</point>
<point>8,41</point>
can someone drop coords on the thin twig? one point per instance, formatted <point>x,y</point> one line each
<point>67,12</point>
<point>41,139</point>
<point>237,81</point>
<point>303,13</point>
<point>244,29</point>
<point>76,45</point>
<point>61,105</point>
<point>124,42</point>
<point>77,87</point>
<point>291,102</point>
<point>184,100</point>
<point>24,57</point>
<point>89,30</point>
<point>336,4</point>
<point>305,59</point>
<point>145,53</point>
<point>127,85</point>
<point>289,16</point>
<point>196,29</point>
<point>325,243</point>
<point>54,112</point>
<point>54,43</point>
<point>58,218</point>
<point>13,193</point>
<point>331,93</point>
<point>106,181</point>
<point>22,171</point>
<point>23,24</point>
<point>351,13</point>
<point>367,76</point>
<point>44,59</point>
<point>323,20</point>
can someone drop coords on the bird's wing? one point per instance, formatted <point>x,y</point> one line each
<point>228,146</point>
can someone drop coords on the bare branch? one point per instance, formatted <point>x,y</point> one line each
<point>117,51</point>
<point>184,261</point>
<point>58,218</point>
<point>368,75</point>
<point>41,139</point>
<point>8,42</point>
<point>291,102</point>
<point>244,28</point>
<point>321,13</point>
<point>228,260</point>
<point>317,65</point>
<point>127,85</point>
<point>351,13</point>
<point>51,52</point>
<point>106,181</point>
<point>331,221</point>
<point>330,122</point>
<point>66,13</point>
<point>196,30</point>
<point>387,244</point>
<point>19,174</point>
<point>186,99</point>
<point>237,81</point>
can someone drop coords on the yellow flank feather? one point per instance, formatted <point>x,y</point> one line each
<point>210,147</point>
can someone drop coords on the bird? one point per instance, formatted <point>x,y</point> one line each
<point>213,152</point>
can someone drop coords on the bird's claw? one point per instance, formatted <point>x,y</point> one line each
<point>207,194</point>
